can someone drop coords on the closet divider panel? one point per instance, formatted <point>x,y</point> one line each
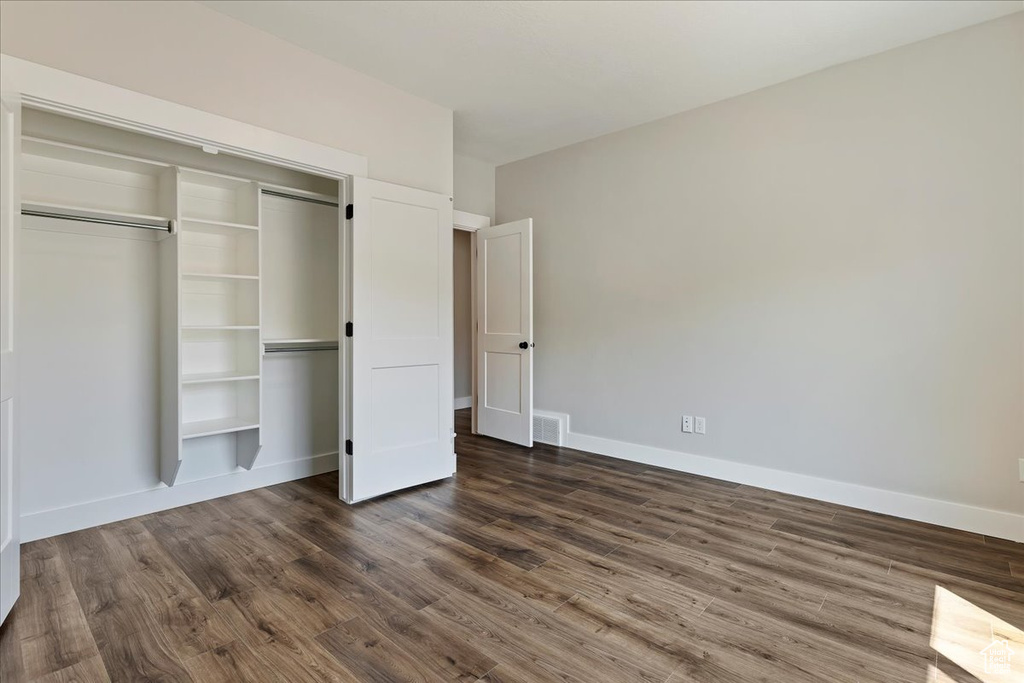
<point>170,334</point>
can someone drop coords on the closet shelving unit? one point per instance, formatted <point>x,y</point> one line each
<point>217,273</point>
<point>213,318</point>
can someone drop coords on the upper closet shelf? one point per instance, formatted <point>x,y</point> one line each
<point>213,227</point>
<point>210,179</point>
<point>220,327</point>
<point>217,276</point>
<point>61,155</point>
<point>214,377</point>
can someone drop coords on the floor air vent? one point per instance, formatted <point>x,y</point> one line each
<point>548,428</point>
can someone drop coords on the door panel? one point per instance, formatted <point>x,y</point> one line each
<point>10,143</point>
<point>402,345</point>
<point>504,373</point>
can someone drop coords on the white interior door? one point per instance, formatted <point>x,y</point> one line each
<point>402,341</point>
<point>504,358</point>
<point>10,143</point>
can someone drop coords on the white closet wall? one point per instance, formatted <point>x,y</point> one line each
<point>88,328</point>
<point>300,271</point>
<point>301,289</point>
<point>93,340</point>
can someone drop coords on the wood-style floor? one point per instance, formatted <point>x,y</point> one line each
<point>531,565</point>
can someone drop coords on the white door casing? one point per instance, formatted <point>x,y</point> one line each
<point>10,144</point>
<point>402,343</point>
<point>504,337</point>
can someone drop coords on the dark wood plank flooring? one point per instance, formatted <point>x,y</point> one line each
<point>531,565</point>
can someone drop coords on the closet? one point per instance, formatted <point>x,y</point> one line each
<point>182,314</point>
<point>192,306</point>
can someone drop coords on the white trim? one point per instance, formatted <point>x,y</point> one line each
<point>471,222</point>
<point>42,87</point>
<point>48,523</point>
<point>473,329</point>
<point>463,402</point>
<point>944,513</point>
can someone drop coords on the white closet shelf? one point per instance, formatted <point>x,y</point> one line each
<point>217,276</point>
<point>211,377</point>
<point>216,227</point>
<point>292,342</point>
<point>212,179</point>
<point>224,425</point>
<point>220,327</point>
<point>64,152</point>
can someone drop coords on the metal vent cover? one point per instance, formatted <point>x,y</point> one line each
<point>547,430</point>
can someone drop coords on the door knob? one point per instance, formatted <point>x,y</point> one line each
<point>525,345</point>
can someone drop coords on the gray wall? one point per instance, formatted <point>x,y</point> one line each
<point>474,186</point>
<point>474,192</point>
<point>829,270</point>
<point>462,280</point>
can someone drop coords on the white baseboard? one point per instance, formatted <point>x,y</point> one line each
<point>944,513</point>
<point>48,523</point>
<point>463,402</point>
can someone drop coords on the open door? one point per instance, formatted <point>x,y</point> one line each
<point>10,152</point>
<point>504,336</point>
<point>402,340</point>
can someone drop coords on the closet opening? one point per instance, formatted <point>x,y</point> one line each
<point>180,314</point>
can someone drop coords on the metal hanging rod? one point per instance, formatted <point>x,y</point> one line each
<point>295,349</point>
<point>163,227</point>
<point>298,197</point>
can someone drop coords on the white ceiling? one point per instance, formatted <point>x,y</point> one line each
<point>527,77</point>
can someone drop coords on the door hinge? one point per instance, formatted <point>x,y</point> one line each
<point>348,212</point>
<point>348,446</point>
<point>348,329</point>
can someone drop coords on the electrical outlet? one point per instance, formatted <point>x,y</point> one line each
<point>688,424</point>
<point>1021,465</point>
<point>699,425</point>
